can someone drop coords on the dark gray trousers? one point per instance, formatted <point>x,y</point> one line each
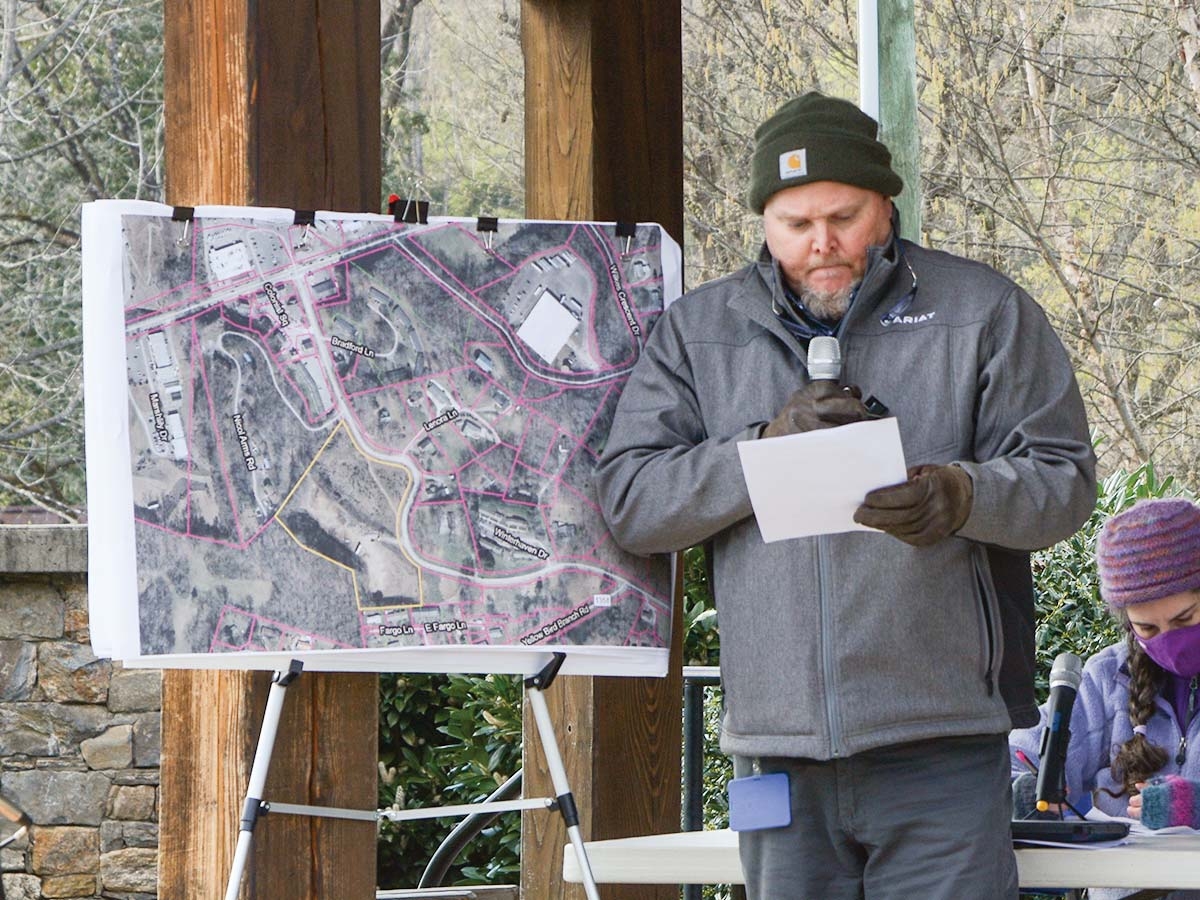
<point>925,820</point>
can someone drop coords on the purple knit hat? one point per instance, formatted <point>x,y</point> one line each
<point>1149,551</point>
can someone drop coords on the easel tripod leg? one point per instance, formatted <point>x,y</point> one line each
<point>258,775</point>
<point>558,773</point>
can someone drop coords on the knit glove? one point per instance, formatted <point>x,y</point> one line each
<point>933,504</point>
<point>1171,800</point>
<point>819,404</point>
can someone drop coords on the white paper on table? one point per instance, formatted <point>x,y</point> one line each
<point>811,483</point>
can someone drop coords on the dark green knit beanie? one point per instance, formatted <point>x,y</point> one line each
<point>819,138</point>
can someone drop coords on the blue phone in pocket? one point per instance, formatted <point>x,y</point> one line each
<point>760,801</point>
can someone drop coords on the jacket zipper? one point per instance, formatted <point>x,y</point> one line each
<point>989,676</point>
<point>1181,754</point>
<point>827,655</point>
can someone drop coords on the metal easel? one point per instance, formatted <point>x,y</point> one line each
<point>255,806</point>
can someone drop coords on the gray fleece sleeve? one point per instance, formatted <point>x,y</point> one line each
<point>663,483</point>
<point>1034,470</point>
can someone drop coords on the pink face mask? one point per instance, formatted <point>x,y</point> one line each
<point>1176,651</point>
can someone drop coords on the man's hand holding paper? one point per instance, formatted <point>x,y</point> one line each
<point>932,504</point>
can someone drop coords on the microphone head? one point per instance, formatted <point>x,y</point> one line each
<point>824,359</point>
<point>1067,671</point>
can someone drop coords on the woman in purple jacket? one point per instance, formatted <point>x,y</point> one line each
<point>1135,734</point>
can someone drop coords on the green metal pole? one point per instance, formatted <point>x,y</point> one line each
<point>898,118</point>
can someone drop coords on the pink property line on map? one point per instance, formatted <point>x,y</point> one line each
<point>191,424</point>
<point>474,532</point>
<point>415,425</point>
<point>554,638</point>
<point>255,620</point>
<point>201,294</point>
<point>593,308</point>
<point>452,277</point>
<point>551,445</point>
<point>448,274</point>
<point>541,254</point>
<point>474,236</point>
<point>206,289</point>
<point>617,364</point>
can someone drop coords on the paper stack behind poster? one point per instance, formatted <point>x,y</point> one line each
<point>362,443</point>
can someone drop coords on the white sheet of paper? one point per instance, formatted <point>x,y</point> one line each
<point>811,483</point>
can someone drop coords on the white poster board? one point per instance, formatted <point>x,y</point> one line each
<point>363,444</point>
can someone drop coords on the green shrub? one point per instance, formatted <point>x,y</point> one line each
<point>446,740</point>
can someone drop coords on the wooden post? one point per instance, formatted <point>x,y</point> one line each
<point>604,140</point>
<point>271,103</point>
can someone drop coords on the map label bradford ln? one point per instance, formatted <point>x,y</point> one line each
<point>623,298</point>
<point>448,416</point>
<point>160,419</point>
<point>276,303</point>
<point>343,344</point>
<point>552,628</point>
<point>244,442</point>
<point>503,534</point>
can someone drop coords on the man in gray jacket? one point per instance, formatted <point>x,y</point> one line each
<point>879,671</point>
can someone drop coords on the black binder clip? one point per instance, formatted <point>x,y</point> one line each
<point>305,217</point>
<point>183,214</point>
<point>627,230</point>
<point>488,225</point>
<point>408,210</point>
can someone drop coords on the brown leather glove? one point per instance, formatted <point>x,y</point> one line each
<point>933,504</point>
<point>819,404</point>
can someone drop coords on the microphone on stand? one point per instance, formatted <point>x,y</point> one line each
<point>1064,683</point>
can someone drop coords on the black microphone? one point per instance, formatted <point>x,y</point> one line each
<point>1064,682</point>
<point>824,359</point>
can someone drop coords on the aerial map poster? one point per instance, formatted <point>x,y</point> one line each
<point>360,443</point>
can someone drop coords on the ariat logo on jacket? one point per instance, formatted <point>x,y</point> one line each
<point>908,320</point>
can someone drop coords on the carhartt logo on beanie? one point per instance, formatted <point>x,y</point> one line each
<point>819,138</point>
<point>1150,551</point>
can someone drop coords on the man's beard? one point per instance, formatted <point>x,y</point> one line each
<point>828,306</point>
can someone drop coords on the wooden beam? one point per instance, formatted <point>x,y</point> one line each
<point>604,140</point>
<point>270,103</point>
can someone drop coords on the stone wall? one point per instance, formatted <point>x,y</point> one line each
<point>79,736</point>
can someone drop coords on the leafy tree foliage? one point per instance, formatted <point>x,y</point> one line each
<point>1059,144</point>
<point>80,119</point>
<point>452,105</point>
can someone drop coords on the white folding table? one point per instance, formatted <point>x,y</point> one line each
<point>1170,861</point>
